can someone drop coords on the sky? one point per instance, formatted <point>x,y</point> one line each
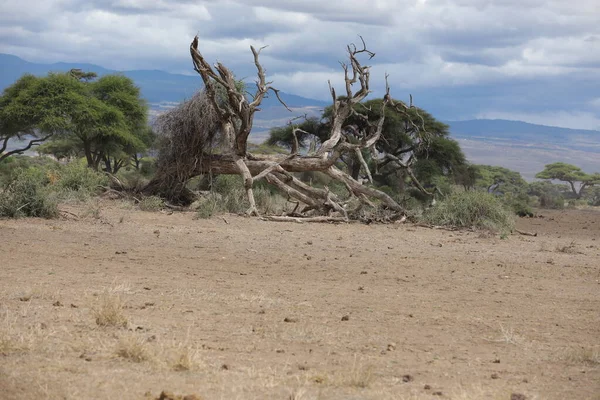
<point>531,60</point>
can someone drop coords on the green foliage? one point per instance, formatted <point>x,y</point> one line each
<point>499,179</point>
<point>228,196</point>
<point>593,196</point>
<point>570,174</point>
<point>27,195</point>
<point>77,177</point>
<point>472,209</point>
<point>548,194</point>
<point>105,120</point>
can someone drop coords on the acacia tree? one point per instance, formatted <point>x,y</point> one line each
<point>33,110</point>
<point>401,137</point>
<point>98,119</point>
<point>209,134</point>
<point>571,174</point>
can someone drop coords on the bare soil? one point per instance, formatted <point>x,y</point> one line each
<point>125,304</point>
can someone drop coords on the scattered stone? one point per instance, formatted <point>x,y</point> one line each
<point>147,288</point>
<point>517,396</point>
<point>57,304</point>
<point>438,393</point>
<point>426,387</point>
<point>289,319</point>
<point>392,347</point>
<point>120,252</point>
<point>151,338</point>
<point>225,367</point>
<point>407,378</point>
<point>280,351</point>
<point>74,305</point>
<point>496,361</point>
<point>363,272</point>
<point>309,242</point>
<point>345,318</point>
<point>495,376</point>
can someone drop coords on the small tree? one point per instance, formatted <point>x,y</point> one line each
<point>571,174</point>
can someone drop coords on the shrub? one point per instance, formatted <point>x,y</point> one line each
<point>228,195</point>
<point>552,201</point>
<point>471,209</point>
<point>77,177</point>
<point>27,195</point>
<point>151,203</point>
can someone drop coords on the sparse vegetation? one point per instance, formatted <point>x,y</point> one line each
<point>27,195</point>
<point>109,311</point>
<point>471,209</point>
<point>151,203</point>
<point>133,348</point>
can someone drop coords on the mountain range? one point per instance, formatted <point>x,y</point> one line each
<point>517,145</point>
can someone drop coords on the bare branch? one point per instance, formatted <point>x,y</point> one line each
<point>33,142</point>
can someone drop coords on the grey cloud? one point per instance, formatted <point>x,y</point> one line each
<point>456,55</point>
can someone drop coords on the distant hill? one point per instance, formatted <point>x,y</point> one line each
<point>156,86</point>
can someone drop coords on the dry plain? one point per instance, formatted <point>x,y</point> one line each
<point>123,304</point>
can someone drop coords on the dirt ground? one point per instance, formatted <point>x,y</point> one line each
<point>123,304</point>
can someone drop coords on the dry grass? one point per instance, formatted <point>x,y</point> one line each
<point>507,335</point>
<point>18,339</point>
<point>588,355</point>
<point>133,348</point>
<point>185,358</point>
<point>109,311</point>
<point>359,375</point>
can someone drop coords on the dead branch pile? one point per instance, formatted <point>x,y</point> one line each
<point>187,133</point>
<point>223,115</point>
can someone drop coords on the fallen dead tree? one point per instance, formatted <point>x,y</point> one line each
<point>209,133</point>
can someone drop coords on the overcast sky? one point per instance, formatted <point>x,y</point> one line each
<point>531,60</point>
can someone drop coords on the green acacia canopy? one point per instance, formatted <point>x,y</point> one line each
<point>571,174</point>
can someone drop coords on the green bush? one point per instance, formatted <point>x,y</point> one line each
<point>77,177</point>
<point>471,209</point>
<point>27,195</point>
<point>552,201</point>
<point>229,196</point>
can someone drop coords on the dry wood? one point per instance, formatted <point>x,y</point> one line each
<point>525,233</point>
<point>221,117</point>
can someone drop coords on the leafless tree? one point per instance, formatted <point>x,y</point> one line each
<point>209,134</point>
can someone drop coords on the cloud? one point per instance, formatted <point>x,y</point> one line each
<point>498,55</point>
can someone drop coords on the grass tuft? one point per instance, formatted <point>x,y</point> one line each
<point>110,311</point>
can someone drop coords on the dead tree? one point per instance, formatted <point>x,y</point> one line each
<point>209,134</point>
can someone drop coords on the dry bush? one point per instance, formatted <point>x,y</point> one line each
<point>133,348</point>
<point>359,375</point>
<point>185,358</point>
<point>151,203</point>
<point>109,311</point>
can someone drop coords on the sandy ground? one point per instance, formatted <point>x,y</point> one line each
<point>250,309</point>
